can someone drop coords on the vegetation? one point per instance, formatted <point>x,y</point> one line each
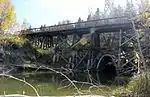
<point>7,15</point>
<point>8,22</point>
<point>12,38</point>
<point>138,85</point>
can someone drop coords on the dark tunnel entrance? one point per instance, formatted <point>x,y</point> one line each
<point>106,69</point>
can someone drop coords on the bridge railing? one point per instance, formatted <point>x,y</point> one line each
<point>79,25</point>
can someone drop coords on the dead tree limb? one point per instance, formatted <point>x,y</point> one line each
<point>15,78</point>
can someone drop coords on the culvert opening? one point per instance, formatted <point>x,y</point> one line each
<point>106,69</point>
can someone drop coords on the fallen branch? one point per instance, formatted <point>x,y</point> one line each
<point>65,77</point>
<point>10,76</point>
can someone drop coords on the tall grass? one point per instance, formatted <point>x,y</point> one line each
<point>138,86</point>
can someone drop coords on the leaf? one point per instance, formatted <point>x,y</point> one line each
<point>83,41</point>
<point>7,15</point>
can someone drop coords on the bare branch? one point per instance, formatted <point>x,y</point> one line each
<point>10,76</point>
<point>65,77</point>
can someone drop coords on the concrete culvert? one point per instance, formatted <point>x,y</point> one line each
<point>106,68</point>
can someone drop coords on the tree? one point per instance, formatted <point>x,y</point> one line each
<point>64,22</point>
<point>144,5</point>
<point>89,17</point>
<point>144,13</point>
<point>130,10</point>
<point>7,15</point>
<point>79,20</point>
<point>14,28</point>
<point>25,25</point>
<point>97,14</point>
<point>117,11</point>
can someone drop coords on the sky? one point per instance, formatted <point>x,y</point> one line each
<point>50,12</point>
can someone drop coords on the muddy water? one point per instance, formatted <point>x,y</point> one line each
<point>50,84</point>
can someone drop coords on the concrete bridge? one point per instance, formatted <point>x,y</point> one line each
<point>105,44</point>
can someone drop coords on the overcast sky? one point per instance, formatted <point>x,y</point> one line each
<point>40,12</point>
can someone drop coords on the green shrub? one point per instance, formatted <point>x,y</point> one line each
<point>13,38</point>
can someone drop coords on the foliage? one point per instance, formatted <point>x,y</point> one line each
<point>138,86</point>
<point>17,27</point>
<point>7,15</point>
<point>64,22</point>
<point>96,16</point>
<point>43,52</point>
<point>144,13</point>
<point>117,11</point>
<point>13,38</point>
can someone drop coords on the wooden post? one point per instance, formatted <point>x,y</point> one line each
<point>38,41</point>
<point>47,42</point>
<point>93,44</point>
<point>119,51</point>
<point>44,43</point>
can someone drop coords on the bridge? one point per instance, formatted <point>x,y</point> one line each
<point>101,25</point>
<point>104,44</point>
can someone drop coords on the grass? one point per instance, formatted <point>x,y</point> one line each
<point>138,86</point>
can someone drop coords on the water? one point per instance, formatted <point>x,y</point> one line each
<point>51,84</point>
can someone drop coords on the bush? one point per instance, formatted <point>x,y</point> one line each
<point>13,38</point>
<point>138,86</point>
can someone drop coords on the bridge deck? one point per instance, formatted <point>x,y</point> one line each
<point>101,25</point>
